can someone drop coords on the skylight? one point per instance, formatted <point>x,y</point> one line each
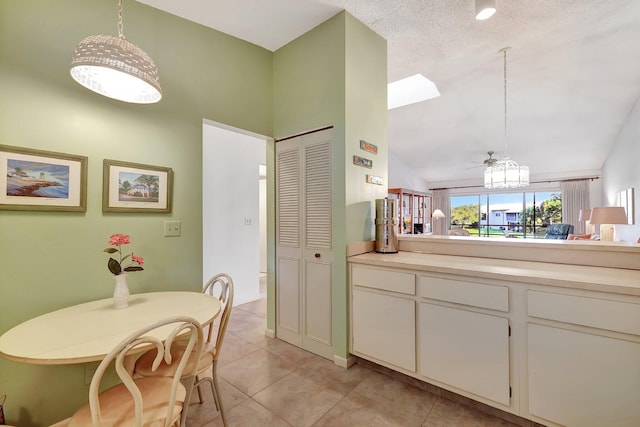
<point>410,90</point>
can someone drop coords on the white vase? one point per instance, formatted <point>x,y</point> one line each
<point>121,292</point>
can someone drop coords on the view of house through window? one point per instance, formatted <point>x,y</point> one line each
<point>519,215</point>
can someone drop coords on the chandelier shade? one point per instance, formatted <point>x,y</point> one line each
<point>116,68</point>
<point>506,173</point>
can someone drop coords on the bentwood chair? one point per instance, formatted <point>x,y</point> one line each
<point>152,401</point>
<point>221,287</point>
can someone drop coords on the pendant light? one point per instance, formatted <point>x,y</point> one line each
<point>116,68</point>
<point>505,173</point>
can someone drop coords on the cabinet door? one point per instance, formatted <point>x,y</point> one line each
<point>466,350</point>
<point>579,379</point>
<point>384,328</point>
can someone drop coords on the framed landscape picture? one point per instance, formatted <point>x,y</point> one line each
<point>37,180</point>
<point>132,187</point>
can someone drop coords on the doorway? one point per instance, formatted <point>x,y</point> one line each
<point>231,206</point>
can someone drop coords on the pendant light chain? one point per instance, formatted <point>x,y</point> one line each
<point>504,51</point>
<point>120,24</point>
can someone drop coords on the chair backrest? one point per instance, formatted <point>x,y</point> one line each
<point>221,287</point>
<point>558,231</point>
<point>162,338</point>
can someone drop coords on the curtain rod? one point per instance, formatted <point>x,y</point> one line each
<point>590,178</point>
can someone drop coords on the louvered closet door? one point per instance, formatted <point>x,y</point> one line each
<point>303,241</point>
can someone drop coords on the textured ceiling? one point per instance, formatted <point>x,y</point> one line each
<point>573,74</point>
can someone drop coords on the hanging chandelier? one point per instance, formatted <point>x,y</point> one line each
<point>116,68</point>
<point>505,173</point>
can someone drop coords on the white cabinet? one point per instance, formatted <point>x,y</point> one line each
<point>466,350</point>
<point>384,328</point>
<point>460,346</point>
<point>304,256</point>
<point>561,356</point>
<point>383,320</point>
<point>583,370</point>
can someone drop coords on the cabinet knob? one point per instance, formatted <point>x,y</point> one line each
<point>317,255</point>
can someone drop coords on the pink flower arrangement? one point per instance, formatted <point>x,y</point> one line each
<point>117,267</point>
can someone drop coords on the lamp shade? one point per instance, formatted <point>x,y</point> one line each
<point>438,214</point>
<point>585,215</point>
<point>116,68</point>
<point>608,215</point>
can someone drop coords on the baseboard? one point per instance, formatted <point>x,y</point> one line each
<point>270,333</point>
<point>344,363</point>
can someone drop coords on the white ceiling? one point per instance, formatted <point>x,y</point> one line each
<point>573,74</point>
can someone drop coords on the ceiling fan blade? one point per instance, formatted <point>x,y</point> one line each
<point>475,167</point>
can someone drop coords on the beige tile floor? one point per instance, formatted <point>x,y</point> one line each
<point>267,382</point>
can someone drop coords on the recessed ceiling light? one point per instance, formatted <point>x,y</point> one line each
<point>485,9</point>
<point>410,90</point>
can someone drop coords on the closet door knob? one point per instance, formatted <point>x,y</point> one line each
<point>317,255</point>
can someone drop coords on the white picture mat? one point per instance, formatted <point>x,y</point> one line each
<point>114,187</point>
<point>74,181</point>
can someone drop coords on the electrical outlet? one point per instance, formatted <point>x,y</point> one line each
<point>89,372</point>
<point>247,220</point>
<point>172,228</point>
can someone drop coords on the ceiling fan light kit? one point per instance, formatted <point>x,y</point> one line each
<point>116,68</point>
<point>505,173</point>
<point>485,9</point>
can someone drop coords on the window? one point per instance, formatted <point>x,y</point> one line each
<point>518,215</point>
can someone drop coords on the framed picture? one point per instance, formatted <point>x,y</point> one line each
<point>132,187</point>
<point>36,180</point>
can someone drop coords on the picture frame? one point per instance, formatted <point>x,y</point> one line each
<point>134,187</point>
<point>38,180</point>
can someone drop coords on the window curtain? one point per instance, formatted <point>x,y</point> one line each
<point>441,201</point>
<point>575,196</point>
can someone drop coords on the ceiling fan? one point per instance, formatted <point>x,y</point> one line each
<point>488,162</point>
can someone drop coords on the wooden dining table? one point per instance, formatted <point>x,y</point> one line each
<point>87,332</point>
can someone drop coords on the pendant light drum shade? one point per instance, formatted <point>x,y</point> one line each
<point>116,68</point>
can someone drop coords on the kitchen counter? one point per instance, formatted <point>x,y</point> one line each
<point>604,279</point>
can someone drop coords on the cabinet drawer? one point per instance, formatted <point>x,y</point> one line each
<point>387,280</point>
<point>594,312</point>
<point>493,297</point>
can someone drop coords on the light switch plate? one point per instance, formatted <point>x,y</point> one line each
<point>172,228</point>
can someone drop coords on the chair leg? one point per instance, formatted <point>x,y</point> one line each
<point>216,392</point>
<point>191,382</point>
<point>198,381</point>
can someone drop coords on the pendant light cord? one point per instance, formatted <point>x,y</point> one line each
<point>504,51</point>
<point>120,24</point>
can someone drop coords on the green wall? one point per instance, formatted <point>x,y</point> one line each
<point>52,260</point>
<point>336,75</point>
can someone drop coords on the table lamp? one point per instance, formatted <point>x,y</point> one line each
<point>585,215</point>
<point>436,215</point>
<point>607,217</point>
